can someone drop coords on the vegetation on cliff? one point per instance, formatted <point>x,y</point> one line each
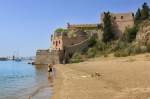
<point>60,30</point>
<point>122,47</point>
<point>130,34</point>
<point>142,14</point>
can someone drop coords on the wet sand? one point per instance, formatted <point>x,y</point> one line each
<point>104,78</point>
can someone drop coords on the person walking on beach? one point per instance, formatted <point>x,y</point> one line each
<point>50,68</point>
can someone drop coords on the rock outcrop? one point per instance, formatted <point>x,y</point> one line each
<point>143,36</point>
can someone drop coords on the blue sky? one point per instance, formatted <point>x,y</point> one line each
<point>26,25</point>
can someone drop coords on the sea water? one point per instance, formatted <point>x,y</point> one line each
<point>19,80</point>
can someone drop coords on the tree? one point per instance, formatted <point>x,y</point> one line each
<point>108,34</point>
<point>131,33</point>
<point>145,11</point>
<point>138,14</point>
<point>92,41</point>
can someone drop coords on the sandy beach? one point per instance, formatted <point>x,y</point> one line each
<point>104,78</point>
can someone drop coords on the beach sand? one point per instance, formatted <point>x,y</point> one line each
<point>104,78</point>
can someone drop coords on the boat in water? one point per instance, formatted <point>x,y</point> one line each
<point>17,59</point>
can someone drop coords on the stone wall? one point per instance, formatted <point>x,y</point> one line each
<point>120,22</point>
<point>82,26</point>
<point>74,40</point>
<point>70,50</point>
<point>42,57</point>
<point>56,57</point>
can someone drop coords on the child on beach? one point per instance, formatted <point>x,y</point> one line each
<point>50,68</point>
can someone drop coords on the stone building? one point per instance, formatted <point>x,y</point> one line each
<point>64,44</point>
<point>62,40</point>
<point>120,21</point>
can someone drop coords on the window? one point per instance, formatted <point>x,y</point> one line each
<point>121,17</point>
<point>53,42</point>
<point>59,41</point>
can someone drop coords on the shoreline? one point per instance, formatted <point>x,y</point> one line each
<point>57,84</point>
<point>41,92</point>
<point>105,78</point>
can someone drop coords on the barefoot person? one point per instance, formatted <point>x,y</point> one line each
<point>50,68</point>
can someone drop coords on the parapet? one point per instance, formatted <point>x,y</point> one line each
<point>83,26</point>
<point>120,16</point>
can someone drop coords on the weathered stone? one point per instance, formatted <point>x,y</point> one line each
<point>76,38</point>
<point>143,36</point>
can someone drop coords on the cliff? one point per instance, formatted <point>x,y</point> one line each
<point>143,35</point>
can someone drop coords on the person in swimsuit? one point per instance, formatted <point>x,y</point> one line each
<point>50,68</point>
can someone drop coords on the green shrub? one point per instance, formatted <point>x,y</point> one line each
<point>101,46</point>
<point>91,52</point>
<point>71,34</point>
<point>120,45</point>
<point>76,58</point>
<point>135,50</point>
<point>143,49</point>
<point>117,54</point>
<point>92,41</point>
<point>59,30</point>
<point>121,53</point>
<point>131,50</point>
<point>148,47</point>
<point>105,55</point>
<point>130,33</point>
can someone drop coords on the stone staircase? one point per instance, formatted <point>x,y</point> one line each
<point>70,50</point>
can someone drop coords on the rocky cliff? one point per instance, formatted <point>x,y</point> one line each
<point>143,36</point>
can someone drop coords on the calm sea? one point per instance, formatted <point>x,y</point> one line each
<point>19,80</point>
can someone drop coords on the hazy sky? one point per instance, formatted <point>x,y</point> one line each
<point>26,25</point>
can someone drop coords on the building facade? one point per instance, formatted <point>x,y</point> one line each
<point>63,44</point>
<point>120,21</point>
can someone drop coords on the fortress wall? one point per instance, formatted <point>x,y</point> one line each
<point>120,26</point>
<point>82,26</point>
<point>42,57</point>
<point>45,57</point>
<point>120,21</point>
<point>75,48</point>
<point>56,57</point>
